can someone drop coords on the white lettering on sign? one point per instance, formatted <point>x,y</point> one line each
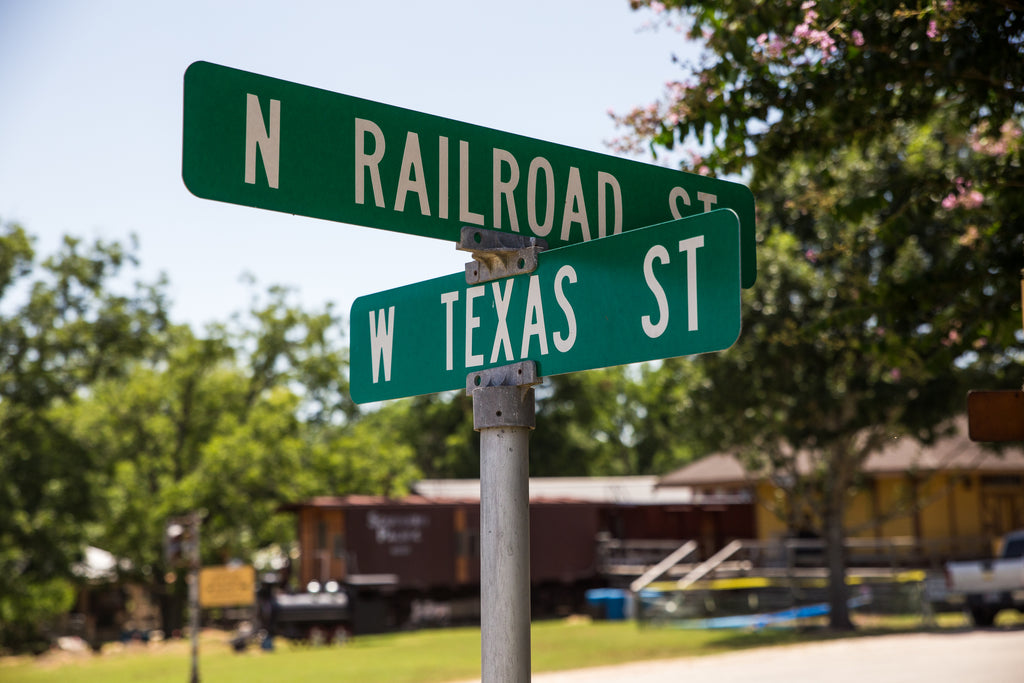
<point>465,215</point>
<point>706,198</point>
<point>575,210</point>
<point>472,322</point>
<point>369,162</point>
<point>660,254</point>
<point>565,342</point>
<point>448,299</point>
<point>542,195</point>
<point>382,335</point>
<point>582,202</point>
<point>442,177</point>
<point>674,196</point>
<point>258,136</point>
<point>709,200</point>
<point>536,166</point>
<point>504,188</point>
<point>604,181</point>
<point>534,327</point>
<point>655,329</point>
<point>501,338</point>
<point>412,165</point>
<point>690,247</point>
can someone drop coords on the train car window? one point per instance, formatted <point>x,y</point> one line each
<point>321,535</point>
<point>339,546</point>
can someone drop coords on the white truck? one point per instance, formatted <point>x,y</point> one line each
<point>990,586</point>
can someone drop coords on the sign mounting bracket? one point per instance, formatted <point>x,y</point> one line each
<point>498,254</point>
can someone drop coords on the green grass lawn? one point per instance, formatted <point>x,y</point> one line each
<point>432,656</point>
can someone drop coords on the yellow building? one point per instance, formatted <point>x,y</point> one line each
<point>924,503</point>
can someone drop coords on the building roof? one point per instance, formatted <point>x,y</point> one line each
<point>636,490</point>
<point>717,469</point>
<point>955,453</point>
<point>352,501</point>
<point>952,453</point>
<point>631,490</point>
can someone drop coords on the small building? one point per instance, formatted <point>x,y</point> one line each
<point>953,498</point>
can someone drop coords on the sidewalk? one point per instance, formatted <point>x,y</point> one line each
<point>992,656</point>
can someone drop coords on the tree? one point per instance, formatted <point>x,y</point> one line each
<point>231,424</point>
<point>68,330</point>
<point>883,146</point>
<point>583,425</point>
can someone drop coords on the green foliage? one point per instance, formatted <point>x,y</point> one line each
<point>439,428</point>
<point>232,425</point>
<point>25,613</point>
<point>112,421</point>
<point>371,456</point>
<point>883,144</point>
<point>582,425</point>
<point>61,329</point>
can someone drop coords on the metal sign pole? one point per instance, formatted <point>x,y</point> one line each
<point>504,416</point>
<point>504,412</point>
<point>193,594</point>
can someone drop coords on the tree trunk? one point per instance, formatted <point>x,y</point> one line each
<point>835,562</point>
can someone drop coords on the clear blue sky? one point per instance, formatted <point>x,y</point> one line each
<point>90,120</point>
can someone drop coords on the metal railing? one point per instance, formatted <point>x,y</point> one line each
<point>650,560</point>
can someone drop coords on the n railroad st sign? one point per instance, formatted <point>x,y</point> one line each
<point>658,292</point>
<point>268,143</point>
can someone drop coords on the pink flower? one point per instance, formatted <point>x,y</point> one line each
<point>963,196</point>
<point>858,38</point>
<point>972,200</point>
<point>933,30</point>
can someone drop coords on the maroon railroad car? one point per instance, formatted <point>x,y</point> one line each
<point>416,550</point>
<point>417,559</point>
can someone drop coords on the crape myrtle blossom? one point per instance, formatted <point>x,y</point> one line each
<point>1007,141</point>
<point>963,196</point>
<point>644,123</point>
<point>812,41</point>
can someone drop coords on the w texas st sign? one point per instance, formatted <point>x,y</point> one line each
<point>658,292</point>
<point>268,143</point>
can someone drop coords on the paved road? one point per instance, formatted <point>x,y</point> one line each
<point>982,656</point>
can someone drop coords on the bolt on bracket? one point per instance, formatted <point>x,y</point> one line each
<point>521,374</point>
<point>498,254</point>
<point>503,396</point>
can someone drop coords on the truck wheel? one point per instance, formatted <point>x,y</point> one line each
<point>983,616</point>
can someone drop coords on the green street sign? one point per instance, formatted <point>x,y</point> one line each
<point>667,290</point>
<point>263,142</point>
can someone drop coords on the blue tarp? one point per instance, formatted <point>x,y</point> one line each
<point>609,603</point>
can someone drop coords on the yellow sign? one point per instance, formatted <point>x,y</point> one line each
<point>227,586</point>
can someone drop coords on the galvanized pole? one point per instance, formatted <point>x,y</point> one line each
<point>504,412</point>
<point>504,416</point>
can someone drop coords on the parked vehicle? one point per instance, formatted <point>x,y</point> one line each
<point>991,585</point>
